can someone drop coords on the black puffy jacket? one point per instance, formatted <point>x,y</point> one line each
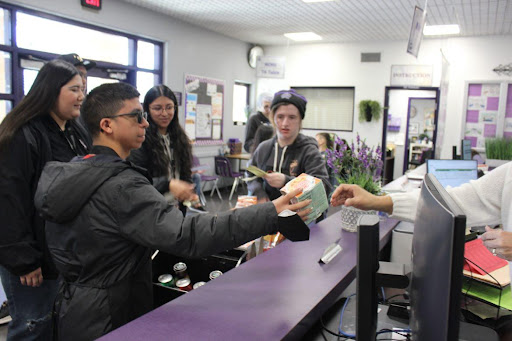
<point>100,231</point>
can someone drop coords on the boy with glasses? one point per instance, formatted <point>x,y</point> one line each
<point>104,218</point>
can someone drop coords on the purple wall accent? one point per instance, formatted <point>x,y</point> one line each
<point>279,294</point>
<point>475,90</point>
<point>507,134</point>
<point>508,109</point>
<point>472,116</point>
<point>489,130</point>
<point>473,140</point>
<point>492,103</point>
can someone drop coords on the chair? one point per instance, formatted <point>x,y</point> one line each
<point>205,179</point>
<point>223,169</point>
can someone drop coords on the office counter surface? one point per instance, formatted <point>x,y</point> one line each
<point>277,295</point>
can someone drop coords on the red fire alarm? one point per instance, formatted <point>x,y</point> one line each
<point>96,4</point>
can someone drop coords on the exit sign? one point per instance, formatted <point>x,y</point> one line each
<point>96,4</point>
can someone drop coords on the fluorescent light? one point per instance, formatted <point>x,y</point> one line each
<point>303,36</point>
<point>307,1</point>
<point>440,30</point>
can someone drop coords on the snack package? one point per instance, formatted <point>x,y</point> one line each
<point>312,188</point>
<point>245,201</point>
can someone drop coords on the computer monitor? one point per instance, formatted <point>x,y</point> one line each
<point>437,260</point>
<point>453,172</point>
<point>466,150</point>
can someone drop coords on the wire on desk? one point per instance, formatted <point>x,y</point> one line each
<point>351,336</point>
<point>497,282</point>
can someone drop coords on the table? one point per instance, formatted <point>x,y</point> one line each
<point>278,295</point>
<point>239,157</point>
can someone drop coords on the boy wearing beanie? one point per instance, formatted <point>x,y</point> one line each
<point>289,153</point>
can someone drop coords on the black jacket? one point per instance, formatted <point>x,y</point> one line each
<point>22,243</point>
<point>100,232</point>
<point>254,122</point>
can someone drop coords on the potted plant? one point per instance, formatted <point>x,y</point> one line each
<point>369,110</point>
<point>498,151</point>
<point>356,164</point>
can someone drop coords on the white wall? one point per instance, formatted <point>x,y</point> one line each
<point>339,65</point>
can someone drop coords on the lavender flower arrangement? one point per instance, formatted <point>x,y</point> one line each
<point>357,164</point>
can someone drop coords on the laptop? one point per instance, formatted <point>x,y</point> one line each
<point>453,173</point>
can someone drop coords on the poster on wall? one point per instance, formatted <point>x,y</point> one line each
<point>482,113</point>
<point>507,129</point>
<point>204,109</point>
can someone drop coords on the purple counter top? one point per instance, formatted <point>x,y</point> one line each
<point>277,295</point>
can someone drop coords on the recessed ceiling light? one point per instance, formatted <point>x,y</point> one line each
<point>317,0</point>
<point>440,30</point>
<point>303,36</point>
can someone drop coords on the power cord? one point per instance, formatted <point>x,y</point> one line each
<point>351,336</point>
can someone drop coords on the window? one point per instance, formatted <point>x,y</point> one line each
<point>328,108</point>
<point>241,109</point>
<point>119,56</point>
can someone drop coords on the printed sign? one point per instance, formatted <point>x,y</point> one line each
<point>411,75</point>
<point>270,67</point>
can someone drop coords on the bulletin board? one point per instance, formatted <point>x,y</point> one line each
<point>204,109</point>
<point>482,113</point>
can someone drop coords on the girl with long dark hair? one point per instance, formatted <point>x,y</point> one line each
<point>39,129</point>
<point>166,153</point>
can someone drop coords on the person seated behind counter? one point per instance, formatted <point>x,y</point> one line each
<point>486,201</point>
<point>104,217</point>
<point>289,153</point>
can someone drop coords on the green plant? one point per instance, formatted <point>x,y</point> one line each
<point>357,164</point>
<point>498,148</point>
<point>369,110</point>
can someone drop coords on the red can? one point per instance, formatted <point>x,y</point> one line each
<point>184,284</point>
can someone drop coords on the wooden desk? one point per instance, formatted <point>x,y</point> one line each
<point>278,295</point>
<point>239,157</point>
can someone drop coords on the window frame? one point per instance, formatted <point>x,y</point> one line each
<point>248,87</point>
<point>18,53</point>
<point>352,88</point>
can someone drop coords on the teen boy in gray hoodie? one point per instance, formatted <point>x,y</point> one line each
<point>289,153</point>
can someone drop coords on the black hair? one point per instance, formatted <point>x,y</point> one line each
<point>263,133</point>
<point>40,100</point>
<point>105,100</point>
<point>179,141</point>
<point>329,143</point>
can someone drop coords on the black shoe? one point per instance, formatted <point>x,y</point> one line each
<point>4,313</point>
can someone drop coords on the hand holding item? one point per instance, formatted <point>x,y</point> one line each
<point>275,179</point>
<point>182,190</point>
<point>32,279</point>
<point>499,242</point>
<point>283,203</point>
<point>353,195</point>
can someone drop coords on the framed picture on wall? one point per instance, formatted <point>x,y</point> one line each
<point>414,128</point>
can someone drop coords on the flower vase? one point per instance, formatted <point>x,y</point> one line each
<point>350,217</point>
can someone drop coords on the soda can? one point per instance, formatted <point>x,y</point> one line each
<point>184,284</point>
<point>198,284</point>
<point>181,270</point>
<point>166,280</point>
<point>215,274</point>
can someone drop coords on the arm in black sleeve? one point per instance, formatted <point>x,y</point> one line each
<point>158,225</point>
<point>255,186</point>
<point>19,252</point>
<point>250,131</point>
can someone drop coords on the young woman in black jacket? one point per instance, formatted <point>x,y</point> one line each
<point>39,129</point>
<point>166,153</point>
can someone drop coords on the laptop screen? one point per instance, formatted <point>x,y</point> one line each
<point>453,172</point>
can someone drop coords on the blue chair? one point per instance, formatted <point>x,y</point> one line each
<point>223,169</point>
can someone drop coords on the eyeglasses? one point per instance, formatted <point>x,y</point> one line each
<point>139,114</point>
<point>159,109</point>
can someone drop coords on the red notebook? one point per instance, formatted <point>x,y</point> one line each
<point>477,253</point>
